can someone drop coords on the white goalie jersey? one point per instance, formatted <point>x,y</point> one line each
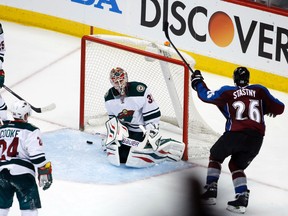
<point>137,108</point>
<point>21,148</point>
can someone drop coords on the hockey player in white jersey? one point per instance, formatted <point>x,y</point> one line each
<point>133,136</point>
<point>3,107</point>
<point>21,154</point>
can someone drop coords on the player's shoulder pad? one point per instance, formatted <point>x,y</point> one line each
<point>109,95</point>
<point>136,88</point>
<point>228,88</point>
<point>258,86</point>
<point>225,88</point>
<point>20,125</point>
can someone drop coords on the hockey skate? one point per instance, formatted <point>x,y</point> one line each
<point>240,203</point>
<point>209,196</point>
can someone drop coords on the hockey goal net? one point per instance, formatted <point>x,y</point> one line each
<point>156,65</point>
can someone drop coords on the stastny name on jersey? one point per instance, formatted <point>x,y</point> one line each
<point>244,92</point>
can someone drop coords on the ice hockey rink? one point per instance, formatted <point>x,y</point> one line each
<point>43,67</point>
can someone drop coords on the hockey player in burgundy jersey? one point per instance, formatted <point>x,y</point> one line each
<point>134,113</point>
<point>244,107</point>
<point>21,151</point>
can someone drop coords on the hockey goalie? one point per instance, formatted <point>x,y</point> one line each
<point>133,136</point>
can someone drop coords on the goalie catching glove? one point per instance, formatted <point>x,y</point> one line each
<point>151,126</point>
<point>45,176</point>
<point>152,135</point>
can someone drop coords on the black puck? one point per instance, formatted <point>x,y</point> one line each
<point>89,142</point>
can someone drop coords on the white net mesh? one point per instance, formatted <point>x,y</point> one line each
<point>165,80</point>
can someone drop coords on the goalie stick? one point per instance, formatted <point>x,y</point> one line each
<point>36,109</point>
<point>166,28</point>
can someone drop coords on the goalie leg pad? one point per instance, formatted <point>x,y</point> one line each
<point>141,158</point>
<point>115,130</point>
<point>168,150</point>
<point>113,154</point>
<point>173,149</point>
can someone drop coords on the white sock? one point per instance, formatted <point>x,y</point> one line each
<point>33,212</point>
<point>4,212</point>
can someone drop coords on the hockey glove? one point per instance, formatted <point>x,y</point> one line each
<point>45,176</point>
<point>151,126</point>
<point>271,115</point>
<point>1,29</point>
<point>2,78</point>
<point>196,78</point>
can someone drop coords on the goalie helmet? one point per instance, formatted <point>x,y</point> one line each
<point>21,110</point>
<point>241,76</point>
<point>119,79</point>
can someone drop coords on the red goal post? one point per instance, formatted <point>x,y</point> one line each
<point>156,65</point>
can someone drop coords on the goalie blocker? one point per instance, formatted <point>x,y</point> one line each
<point>152,150</point>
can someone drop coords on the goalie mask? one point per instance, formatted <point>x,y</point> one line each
<point>119,79</point>
<point>241,76</point>
<point>21,110</point>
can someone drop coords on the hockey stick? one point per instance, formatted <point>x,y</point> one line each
<point>166,27</point>
<point>36,109</point>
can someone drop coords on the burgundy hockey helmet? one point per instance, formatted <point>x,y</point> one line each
<point>241,76</point>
